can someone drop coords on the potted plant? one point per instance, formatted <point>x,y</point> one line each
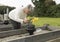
<point>30,26</point>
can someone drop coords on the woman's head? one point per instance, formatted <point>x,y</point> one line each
<point>28,9</point>
<point>28,6</point>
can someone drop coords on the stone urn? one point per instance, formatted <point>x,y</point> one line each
<point>30,28</point>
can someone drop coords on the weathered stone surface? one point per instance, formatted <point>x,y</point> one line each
<point>12,32</point>
<point>43,37</point>
<point>6,27</point>
<point>54,40</point>
<point>39,37</point>
<point>50,28</point>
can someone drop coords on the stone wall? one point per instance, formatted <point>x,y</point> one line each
<point>39,38</point>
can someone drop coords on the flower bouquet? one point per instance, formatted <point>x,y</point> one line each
<point>30,26</point>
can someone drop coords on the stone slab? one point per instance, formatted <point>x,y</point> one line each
<point>39,38</point>
<point>6,27</point>
<point>42,36</point>
<point>12,32</point>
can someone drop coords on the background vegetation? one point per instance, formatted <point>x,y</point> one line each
<point>46,8</point>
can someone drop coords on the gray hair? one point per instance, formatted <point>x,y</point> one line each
<point>30,8</point>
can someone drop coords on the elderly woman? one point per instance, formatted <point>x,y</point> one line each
<point>18,15</point>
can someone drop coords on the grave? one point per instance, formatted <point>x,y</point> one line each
<point>42,36</point>
<point>8,34</point>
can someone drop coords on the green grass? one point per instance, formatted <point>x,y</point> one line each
<point>46,20</point>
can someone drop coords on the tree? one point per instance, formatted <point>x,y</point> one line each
<point>46,8</point>
<point>39,8</point>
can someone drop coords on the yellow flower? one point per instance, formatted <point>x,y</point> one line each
<point>34,19</point>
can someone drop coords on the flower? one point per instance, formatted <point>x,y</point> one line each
<point>34,19</point>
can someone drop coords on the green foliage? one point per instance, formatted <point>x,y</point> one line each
<point>39,8</point>
<point>53,11</point>
<point>46,8</point>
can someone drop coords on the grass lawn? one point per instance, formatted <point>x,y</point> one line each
<point>46,20</point>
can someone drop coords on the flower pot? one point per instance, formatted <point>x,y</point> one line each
<point>30,29</point>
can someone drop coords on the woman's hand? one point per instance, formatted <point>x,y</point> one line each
<point>25,21</point>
